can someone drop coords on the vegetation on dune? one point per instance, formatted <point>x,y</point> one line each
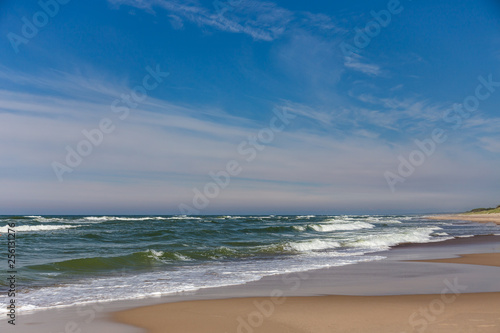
<point>484,210</point>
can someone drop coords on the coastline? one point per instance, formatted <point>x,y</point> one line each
<point>407,279</point>
<point>482,259</point>
<point>432,295</point>
<point>483,218</point>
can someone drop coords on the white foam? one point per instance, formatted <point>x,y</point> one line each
<point>315,244</point>
<point>137,218</point>
<point>338,220</point>
<point>305,216</point>
<point>386,240</point>
<point>155,254</point>
<point>33,228</point>
<point>341,226</point>
<point>98,218</point>
<point>48,220</point>
<point>117,218</point>
<point>384,220</point>
<point>182,257</point>
<point>299,227</point>
<point>183,217</point>
<point>372,218</point>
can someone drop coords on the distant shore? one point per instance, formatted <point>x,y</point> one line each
<point>485,218</point>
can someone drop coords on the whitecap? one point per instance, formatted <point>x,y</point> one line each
<point>315,244</point>
<point>341,226</point>
<point>34,228</point>
<point>386,240</point>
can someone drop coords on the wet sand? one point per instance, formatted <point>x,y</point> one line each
<point>484,259</point>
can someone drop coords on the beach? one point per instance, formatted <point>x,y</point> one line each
<point>461,305</point>
<point>486,218</point>
<point>383,274</point>
<point>374,314</point>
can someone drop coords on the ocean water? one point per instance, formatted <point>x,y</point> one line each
<point>67,260</point>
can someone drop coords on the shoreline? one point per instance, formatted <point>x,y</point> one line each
<point>457,301</point>
<point>482,259</point>
<point>482,218</point>
<point>406,272</point>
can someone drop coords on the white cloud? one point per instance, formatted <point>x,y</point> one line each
<point>157,155</point>
<point>261,20</point>
<point>365,68</point>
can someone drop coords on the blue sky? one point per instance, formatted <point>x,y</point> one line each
<point>232,67</point>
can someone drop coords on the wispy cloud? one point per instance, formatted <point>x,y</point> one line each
<point>309,112</point>
<point>355,63</point>
<point>158,149</point>
<point>261,20</point>
<point>410,115</point>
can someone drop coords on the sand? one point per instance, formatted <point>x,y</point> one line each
<point>365,314</point>
<point>495,218</point>
<point>451,311</point>
<point>483,259</point>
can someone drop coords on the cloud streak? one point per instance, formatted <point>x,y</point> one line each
<point>158,154</point>
<point>261,20</point>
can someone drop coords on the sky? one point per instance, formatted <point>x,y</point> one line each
<point>249,107</point>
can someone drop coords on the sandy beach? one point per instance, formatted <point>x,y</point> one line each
<point>449,286</point>
<point>454,308</point>
<point>484,259</point>
<point>375,314</point>
<point>494,218</point>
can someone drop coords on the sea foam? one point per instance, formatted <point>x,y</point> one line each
<point>34,228</point>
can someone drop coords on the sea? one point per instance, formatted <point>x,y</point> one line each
<point>70,260</point>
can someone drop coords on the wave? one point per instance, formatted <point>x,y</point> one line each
<point>270,229</point>
<point>341,226</point>
<point>143,259</point>
<point>385,241</point>
<point>312,245</point>
<point>183,217</point>
<point>342,219</point>
<point>386,220</point>
<point>42,219</point>
<point>232,217</point>
<point>118,218</point>
<point>32,228</point>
